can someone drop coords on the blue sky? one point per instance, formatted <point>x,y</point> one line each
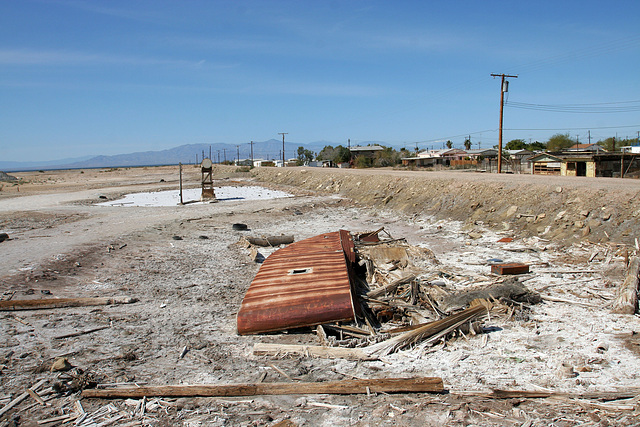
<point>107,77</point>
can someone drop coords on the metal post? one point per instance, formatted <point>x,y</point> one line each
<point>283,134</point>
<point>181,201</point>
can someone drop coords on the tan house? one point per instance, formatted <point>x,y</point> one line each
<point>545,164</point>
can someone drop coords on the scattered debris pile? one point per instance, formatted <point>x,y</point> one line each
<point>6,177</point>
<point>376,295</point>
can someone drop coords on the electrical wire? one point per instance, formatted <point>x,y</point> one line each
<point>596,108</point>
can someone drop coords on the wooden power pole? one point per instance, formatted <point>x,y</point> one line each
<point>504,87</point>
<point>283,134</point>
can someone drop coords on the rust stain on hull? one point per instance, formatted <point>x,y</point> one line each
<point>306,283</point>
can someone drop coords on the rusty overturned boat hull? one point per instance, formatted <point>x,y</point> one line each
<point>304,284</point>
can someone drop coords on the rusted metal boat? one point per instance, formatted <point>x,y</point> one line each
<point>304,284</point>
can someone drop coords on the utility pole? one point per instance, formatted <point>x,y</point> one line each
<point>251,153</point>
<point>589,137</point>
<point>283,134</point>
<point>238,154</point>
<point>349,143</point>
<point>504,87</point>
<point>218,156</point>
<point>224,150</point>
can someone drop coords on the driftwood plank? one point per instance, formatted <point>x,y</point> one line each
<point>77,334</point>
<point>41,304</point>
<point>271,240</point>
<point>605,396</point>
<point>385,385</point>
<point>626,301</point>
<point>267,349</point>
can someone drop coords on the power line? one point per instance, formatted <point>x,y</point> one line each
<point>582,128</point>
<point>600,108</point>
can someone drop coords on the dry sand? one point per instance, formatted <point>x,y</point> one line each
<point>63,245</point>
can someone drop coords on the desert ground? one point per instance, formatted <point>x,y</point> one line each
<point>188,268</point>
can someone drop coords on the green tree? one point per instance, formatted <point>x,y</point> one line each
<point>537,146</point>
<point>326,153</point>
<point>449,145</point>
<point>304,156</point>
<point>614,144</point>
<point>386,157</point>
<point>338,154</point>
<point>516,144</point>
<point>559,142</point>
<point>343,155</point>
<point>467,144</point>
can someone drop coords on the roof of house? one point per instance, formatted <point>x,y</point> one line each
<point>367,148</point>
<point>518,152</point>
<point>585,147</point>
<point>441,153</point>
<point>481,151</point>
<point>545,157</point>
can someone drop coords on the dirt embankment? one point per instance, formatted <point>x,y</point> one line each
<point>556,208</point>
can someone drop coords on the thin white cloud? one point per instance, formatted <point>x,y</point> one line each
<point>28,57</point>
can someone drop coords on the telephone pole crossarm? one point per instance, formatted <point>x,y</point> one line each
<point>503,88</point>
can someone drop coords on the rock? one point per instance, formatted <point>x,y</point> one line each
<point>3,237</point>
<point>60,365</point>
<point>560,215</point>
<point>558,189</point>
<point>566,371</point>
<point>578,224</point>
<point>593,223</point>
<point>512,210</point>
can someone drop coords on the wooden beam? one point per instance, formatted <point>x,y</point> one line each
<point>270,241</point>
<point>383,385</point>
<point>267,349</point>
<point>604,396</point>
<point>41,304</point>
<point>626,301</point>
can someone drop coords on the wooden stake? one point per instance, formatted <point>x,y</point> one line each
<point>41,304</point>
<point>77,334</point>
<point>384,385</point>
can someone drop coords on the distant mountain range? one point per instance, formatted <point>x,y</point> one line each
<point>186,154</point>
